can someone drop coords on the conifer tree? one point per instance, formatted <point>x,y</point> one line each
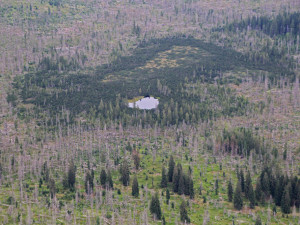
<point>175,179</point>
<point>229,191</point>
<point>136,159</point>
<point>103,177</point>
<point>186,181</point>
<point>258,191</point>
<point>2,170</point>
<point>237,200</point>
<point>71,176</point>
<point>45,172</point>
<point>155,206</point>
<point>52,187</point>
<point>168,196</point>
<point>183,212</point>
<point>135,187</point>
<point>164,181</point>
<point>251,196</point>
<point>217,186</point>
<point>171,168</point>
<point>285,201</point>
<point>89,183</point>
<point>128,147</point>
<point>181,185</point>
<point>285,153</point>
<point>163,220</point>
<point>247,184</point>
<point>125,173</point>
<point>191,186</point>
<point>242,181</point>
<point>265,185</point>
<point>279,191</point>
<point>109,180</point>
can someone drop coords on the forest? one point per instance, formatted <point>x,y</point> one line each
<point>220,147</point>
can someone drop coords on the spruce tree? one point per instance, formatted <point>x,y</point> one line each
<point>237,200</point>
<point>171,168</point>
<point>164,181</point>
<point>136,159</point>
<point>285,154</point>
<point>52,187</point>
<point>168,196</point>
<point>181,185</point>
<point>155,206</point>
<point>191,186</point>
<point>217,186</point>
<point>103,177</point>
<point>71,176</point>
<point>247,184</point>
<point>258,191</point>
<point>285,201</point>
<point>186,181</point>
<point>251,196</point>
<point>45,172</point>
<point>229,191</point>
<point>175,179</point>
<point>183,212</point>
<point>242,181</point>
<point>265,185</point>
<point>279,190</point>
<point>109,180</point>
<point>89,183</point>
<point>272,181</point>
<point>163,220</point>
<point>125,173</point>
<point>135,187</point>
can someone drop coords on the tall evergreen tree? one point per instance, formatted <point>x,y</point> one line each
<point>163,220</point>
<point>72,175</point>
<point>135,187</point>
<point>175,179</point>
<point>168,196</point>
<point>103,177</point>
<point>155,206</point>
<point>164,180</point>
<point>266,184</point>
<point>217,186</point>
<point>247,184</point>
<point>285,154</point>
<point>191,186</point>
<point>171,168</point>
<point>229,191</point>
<point>45,172</point>
<point>237,200</point>
<point>89,183</point>
<point>52,187</point>
<point>286,201</point>
<point>125,173</point>
<point>251,196</point>
<point>109,180</point>
<point>181,185</point>
<point>183,212</point>
<point>272,181</point>
<point>136,159</point>
<point>186,181</point>
<point>297,203</point>
<point>278,191</point>
<point>258,191</point>
<point>242,181</point>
